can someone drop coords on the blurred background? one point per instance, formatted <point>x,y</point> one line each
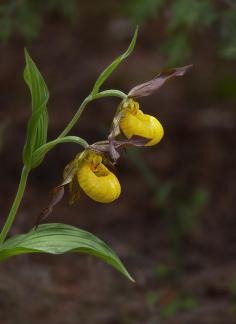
<point>174,225</point>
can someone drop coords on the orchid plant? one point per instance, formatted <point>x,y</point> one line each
<point>91,169</point>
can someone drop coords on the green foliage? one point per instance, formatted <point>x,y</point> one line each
<point>181,216</point>
<point>224,86</point>
<point>168,308</point>
<point>184,19</point>
<point>58,239</point>
<point>25,17</point>
<point>160,190</point>
<point>191,14</point>
<point>139,10</point>
<point>179,207</point>
<point>5,28</point>
<point>232,288</point>
<point>152,298</point>
<point>67,8</point>
<point>162,271</point>
<point>177,48</point>
<point>188,208</point>
<point>28,20</point>
<point>38,123</point>
<point>228,34</point>
<point>179,304</point>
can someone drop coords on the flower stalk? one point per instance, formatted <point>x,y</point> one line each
<point>15,205</point>
<point>89,98</point>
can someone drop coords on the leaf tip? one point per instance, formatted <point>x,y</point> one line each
<point>26,53</point>
<point>133,41</point>
<point>131,279</point>
<point>136,31</point>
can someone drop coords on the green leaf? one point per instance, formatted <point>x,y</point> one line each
<point>58,239</point>
<point>107,72</point>
<point>38,123</point>
<point>28,21</point>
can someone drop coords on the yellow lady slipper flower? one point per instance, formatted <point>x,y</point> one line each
<point>96,180</point>
<point>89,173</point>
<point>135,123</point>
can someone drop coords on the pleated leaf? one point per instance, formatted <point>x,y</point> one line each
<point>61,238</point>
<point>38,124</point>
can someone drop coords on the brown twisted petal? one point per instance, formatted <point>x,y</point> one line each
<point>58,192</point>
<point>113,146</point>
<point>147,88</point>
<point>57,195</point>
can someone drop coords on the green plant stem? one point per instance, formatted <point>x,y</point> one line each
<point>15,205</point>
<point>76,116</point>
<point>111,93</point>
<point>42,150</point>
<point>106,93</point>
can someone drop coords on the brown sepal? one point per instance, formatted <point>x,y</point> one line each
<point>58,192</point>
<point>113,146</point>
<point>57,195</point>
<point>147,88</point>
